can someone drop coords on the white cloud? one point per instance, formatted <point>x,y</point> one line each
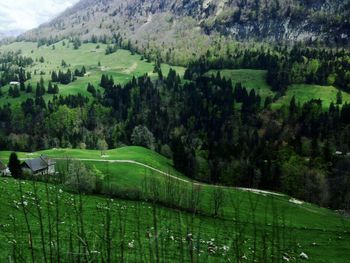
<point>21,15</point>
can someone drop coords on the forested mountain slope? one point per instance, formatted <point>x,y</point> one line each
<point>193,25</point>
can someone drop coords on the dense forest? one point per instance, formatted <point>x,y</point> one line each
<point>214,132</point>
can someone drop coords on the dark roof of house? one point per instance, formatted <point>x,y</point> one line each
<point>2,166</point>
<point>38,164</point>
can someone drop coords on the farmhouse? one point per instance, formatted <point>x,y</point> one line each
<point>40,166</point>
<point>4,170</point>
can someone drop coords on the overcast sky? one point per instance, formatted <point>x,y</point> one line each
<point>21,15</point>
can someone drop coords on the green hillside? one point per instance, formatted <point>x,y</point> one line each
<point>309,223</point>
<point>121,65</point>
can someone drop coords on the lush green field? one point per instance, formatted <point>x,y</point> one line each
<point>134,153</point>
<point>131,234</point>
<point>250,78</point>
<point>309,223</point>
<point>256,79</point>
<point>122,65</point>
<point>305,92</point>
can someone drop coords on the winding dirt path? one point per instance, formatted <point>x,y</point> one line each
<point>172,176</point>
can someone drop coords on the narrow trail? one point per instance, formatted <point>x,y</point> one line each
<point>172,176</point>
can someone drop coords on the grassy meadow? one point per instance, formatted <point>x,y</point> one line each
<point>250,79</point>
<point>122,65</point>
<point>307,92</point>
<point>256,79</point>
<point>318,232</point>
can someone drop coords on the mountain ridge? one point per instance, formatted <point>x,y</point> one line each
<point>192,26</point>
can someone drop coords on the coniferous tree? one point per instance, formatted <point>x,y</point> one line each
<point>29,88</point>
<point>339,97</point>
<point>11,91</point>
<point>15,166</point>
<point>16,93</point>
<point>54,76</point>
<point>50,88</point>
<point>55,89</point>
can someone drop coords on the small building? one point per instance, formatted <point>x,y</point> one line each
<point>4,170</point>
<point>14,83</point>
<point>40,166</point>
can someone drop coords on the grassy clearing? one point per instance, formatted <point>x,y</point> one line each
<point>250,78</point>
<point>122,65</point>
<point>256,79</point>
<point>305,92</point>
<point>310,223</point>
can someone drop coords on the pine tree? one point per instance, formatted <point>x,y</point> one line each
<point>15,166</point>
<point>50,88</point>
<point>56,90</point>
<point>339,98</point>
<point>77,43</point>
<point>54,76</point>
<point>29,88</point>
<point>83,71</point>
<point>42,85</point>
<point>16,92</point>
<point>11,91</point>
<point>22,86</point>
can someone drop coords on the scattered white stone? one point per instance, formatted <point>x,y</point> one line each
<point>226,248</point>
<point>285,259</point>
<point>304,256</point>
<point>131,244</point>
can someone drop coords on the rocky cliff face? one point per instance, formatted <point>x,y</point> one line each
<point>189,23</point>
